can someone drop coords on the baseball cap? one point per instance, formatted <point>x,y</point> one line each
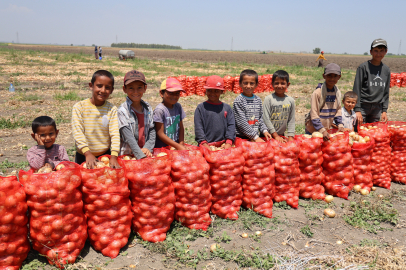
<point>379,42</point>
<point>322,51</point>
<point>332,68</point>
<point>171,85</point>
<point>214,82</point>
<point>133,76</point>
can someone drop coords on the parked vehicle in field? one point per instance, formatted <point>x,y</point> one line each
<point>126,54</point>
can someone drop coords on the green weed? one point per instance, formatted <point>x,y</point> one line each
<point>34,265</point>
<point>282,205</point>
<point>13,122</point>
<point>307,231</point>
<point>71,95</point>
<point>5,165</point>
<point>369,215</point>
<point>299,129</point>
<point>28,97</point>
<point>225,238</point>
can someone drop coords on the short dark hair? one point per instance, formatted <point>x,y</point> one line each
<point>350,94</point>
<point>100,73</point>
<point>42,121</point>
<point>249,72</point>
<point>280,74</point>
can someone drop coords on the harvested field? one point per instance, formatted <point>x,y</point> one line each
<point>345,61</point>
<point>50,82</point>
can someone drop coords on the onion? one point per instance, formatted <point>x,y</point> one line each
<point>357,188</point>
<point>214,247</point>
<point>317,134</point>
<point>328,199</point>
<point>127,158</point>
<point>364,192</point>
<point>380,196</point>
<point>59,167</point>
<point>244,235</point>
<point>105,160</point>
<point>162,154</point>
<point>373,188</point>
<point>258,233</point>
<point>329,212</point>
<point>339,242</point>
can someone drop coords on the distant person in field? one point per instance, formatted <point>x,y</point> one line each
<point>321,59</point>
<point>214,120</point>
<point>371,84</point>
<point>279,108</point>
<point>100,51</point>
<point>247,109</point>
<point>96,52</point>
<point>326,104</point>
<point>135,120</point>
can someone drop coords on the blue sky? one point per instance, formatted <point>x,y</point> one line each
<point>290,26</point>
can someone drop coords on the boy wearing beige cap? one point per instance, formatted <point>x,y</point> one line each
<point>326,104</point>
<point>135,121</point>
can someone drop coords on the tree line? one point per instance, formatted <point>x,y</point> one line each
<point>145,46</point>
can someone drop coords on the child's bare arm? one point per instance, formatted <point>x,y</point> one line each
<point>181,133</point>
<point>160,132</point>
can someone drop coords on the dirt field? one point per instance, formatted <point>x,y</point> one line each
<point>371,229</point>
<point>344,61</point>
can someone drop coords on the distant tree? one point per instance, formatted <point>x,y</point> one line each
<point>345,53</point>
<point>93,45</point>
<point>316,50</point>
<point>71,44</point>
<point>365,53</point>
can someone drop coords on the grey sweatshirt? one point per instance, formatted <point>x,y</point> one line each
<point>279,114</point>
<point>372,84</point>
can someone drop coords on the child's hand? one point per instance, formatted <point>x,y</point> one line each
<point>334,126</point>
<point>347,129</point>
<point>384,117</point>
<point>38,139</point>
<point>259,140</point>
<point>205,145</point>
<point>91,160</point>
<point>114,163</point>
<point>341,129</point>
<point>146,152</point>
<point>326,136</point>
<point>280,139</point>
<point>359,118</point>
<point>290,139</point>
<point>267,136</point>
<point>227,146</point>
<point>181,147</point>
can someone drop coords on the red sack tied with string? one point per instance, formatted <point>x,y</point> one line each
<point>397,132</point>
<point>361,155</point>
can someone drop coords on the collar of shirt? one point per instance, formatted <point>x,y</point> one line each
<point>253,96</point>
<point>347,114</point>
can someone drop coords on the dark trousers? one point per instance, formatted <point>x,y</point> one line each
<point>321,61</point>
<point>79,158</point>
<point>95,55</point>
<point>371,112</point>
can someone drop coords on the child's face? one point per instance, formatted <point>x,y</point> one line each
<point>101,90</point>
<point>135,90</point>
<point>349,103</point>
<point>170,98</point>
<point>213,95</point>
<point>331,79</point>
<point>280,86</point>
<point>248,85</point>
<point>378,53</point>
<point>47,135</point>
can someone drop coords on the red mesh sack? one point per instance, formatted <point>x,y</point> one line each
<point>152,195</point>
<point>381,155</point>
<point>338,165</point>
<point>267,78</point>
<point>311,170</point>
<point>398,156</point>
<point>403,78</point>
<point>14,245</point>
<point>236,88</point>
<point>393,79</point>
<point>182,81</point>
<point>399,80</point>
<point>191,82</point>
<point>58,227</point>
<point>258,180</point>
<point>261,85</point>
<point>107,208</point>
<point>200,82</point>
<point>190,176</point>
<point>361,155</point>
<point>226,168</point>
<point>228,83</point>
<point>287,172</point>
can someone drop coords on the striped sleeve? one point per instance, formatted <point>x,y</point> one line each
<point>78,128</point>
<point>36,156</point>
<point>114,132</point>
<point>258,104</point>
<point>241,121</point>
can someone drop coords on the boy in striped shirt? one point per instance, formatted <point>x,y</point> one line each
<point>326,104</point>
<point>247,109</point>
<point>95,124</point>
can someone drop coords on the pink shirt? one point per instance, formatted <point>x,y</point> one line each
<point>38,155</point>
<point>141,128</point>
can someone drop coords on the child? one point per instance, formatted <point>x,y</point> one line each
<point>214,120</point>
<point>279,109</point>
<point>321,59</point>
<point>94,123</point>
<point>46,153</point>
<point>247,109</point>
<point>371,84</point>
<point>169,115</point>
<point>349,117</point>
<point>135,118</point>
<point>326,104</point>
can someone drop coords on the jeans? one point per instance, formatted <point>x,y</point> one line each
<point>371,112</point>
